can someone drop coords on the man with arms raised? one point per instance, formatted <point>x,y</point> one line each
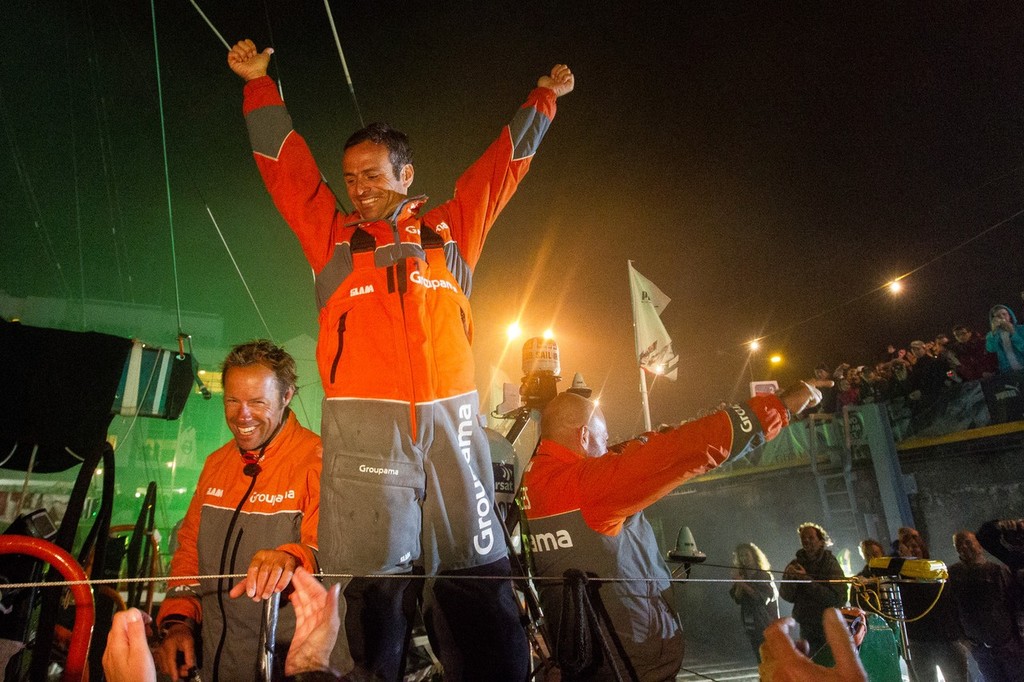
<point>407,477</point>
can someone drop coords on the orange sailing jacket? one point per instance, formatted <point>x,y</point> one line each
<point>395,320</point>
<point>282,512</point>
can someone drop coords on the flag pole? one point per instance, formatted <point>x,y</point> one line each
<point>645,404</point>
<point>643,400</point>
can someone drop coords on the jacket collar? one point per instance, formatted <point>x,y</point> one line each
<point>408,208</point>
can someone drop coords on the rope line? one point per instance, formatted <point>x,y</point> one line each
<point>407,576</point>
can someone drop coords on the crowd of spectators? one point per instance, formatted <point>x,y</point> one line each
<point>924,377</point>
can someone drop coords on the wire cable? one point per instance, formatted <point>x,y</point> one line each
<point>344,64</point>
<point>167,169</point>
<point>238,270</point>
<point>212,27</point>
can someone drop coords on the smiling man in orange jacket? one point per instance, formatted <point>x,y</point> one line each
<point>407,476</point>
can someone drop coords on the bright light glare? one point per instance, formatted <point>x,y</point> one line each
<point>513,331</point>
<point>895,286</point>
<point>659,369</point>
<point>755,345</point>
<point>549,334</point>
<point>170,465</point>
<point>775,359</point>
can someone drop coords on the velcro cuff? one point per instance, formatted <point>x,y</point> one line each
<point>747,433</point>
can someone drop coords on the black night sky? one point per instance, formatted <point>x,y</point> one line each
<point>769,167</point>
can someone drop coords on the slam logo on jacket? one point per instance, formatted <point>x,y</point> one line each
<point>359,291</point>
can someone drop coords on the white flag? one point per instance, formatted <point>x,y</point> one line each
<point>653,345</point>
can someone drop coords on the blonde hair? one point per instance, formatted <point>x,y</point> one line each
<point>759,557</point>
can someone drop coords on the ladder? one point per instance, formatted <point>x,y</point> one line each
<point>835,478</point>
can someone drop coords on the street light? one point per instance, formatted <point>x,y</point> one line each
<point>753,345</point>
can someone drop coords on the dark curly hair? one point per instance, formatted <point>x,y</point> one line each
<point>822,533</point>
<point>397,143</point>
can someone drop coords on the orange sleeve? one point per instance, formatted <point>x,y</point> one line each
<point>615,486</point>
<point>484,189</point>
<point>290,172</point>
<point>182,597</point>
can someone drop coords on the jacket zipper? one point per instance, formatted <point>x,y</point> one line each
<point>341,344</point>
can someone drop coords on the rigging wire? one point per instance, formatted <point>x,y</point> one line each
<point>195,186</point>
<point>344,64</point>
<point>227,46</point>
<point>212,27</point>
<point>270,335</point>
<point>252,298</point>
<point>273,62</point>
<point>323,575</point>
<point>167,171</point>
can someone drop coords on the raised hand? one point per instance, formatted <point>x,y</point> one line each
<point>561,80</point>
<point>246,61</point>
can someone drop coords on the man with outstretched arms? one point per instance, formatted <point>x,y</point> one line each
<point>585,505</point>
<point>255,510</point>
<point>407,477</point>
